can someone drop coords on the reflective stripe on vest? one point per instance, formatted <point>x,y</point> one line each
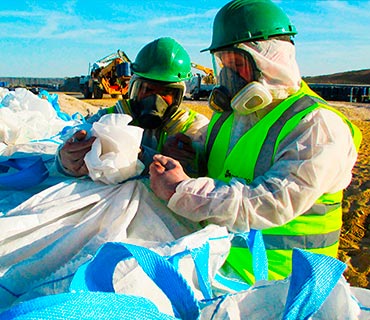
<point>318,229</point>
<point>322,209</point>
<point>281,242</point>
<point>312,241</point>
<point>174,125</point>
<point>266,154</point>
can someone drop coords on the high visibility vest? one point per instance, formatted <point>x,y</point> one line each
<point>316,230</point>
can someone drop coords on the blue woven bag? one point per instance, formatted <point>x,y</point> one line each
<point>92,294</point>
<point>86,305</point>
<point>31,172</point>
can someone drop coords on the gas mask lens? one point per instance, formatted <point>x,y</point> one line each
<point>172,93</point>
<point>153,101</point>
<point>234,69</point>
<point>237,87</point>
<point>230,66</point>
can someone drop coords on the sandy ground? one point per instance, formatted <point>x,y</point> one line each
<point>355,237</point>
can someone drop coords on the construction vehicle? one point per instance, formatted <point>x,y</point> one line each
<point>200,86</point>
<point>110,75</point>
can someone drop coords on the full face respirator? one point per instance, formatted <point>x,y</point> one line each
<point>153,102</point>
<point>237,87</point>
<point>151,111</point>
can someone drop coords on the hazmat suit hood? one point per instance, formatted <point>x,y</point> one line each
<point>276,62</point>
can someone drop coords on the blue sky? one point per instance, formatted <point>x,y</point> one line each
<point>47,38</point>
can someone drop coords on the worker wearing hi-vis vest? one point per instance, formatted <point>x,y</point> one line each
<point>156,91</point>
<point>278,155</point>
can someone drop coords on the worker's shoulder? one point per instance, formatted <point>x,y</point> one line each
<point>187,113</point>
<point>327,110</point>
<point>328,119</point>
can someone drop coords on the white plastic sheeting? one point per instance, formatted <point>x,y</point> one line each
<point>25,117</point>
<point>46,238</point>
<point>113,157</point>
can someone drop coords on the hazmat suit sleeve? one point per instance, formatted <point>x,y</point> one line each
<point>196,131</point>
<point>317,157</point>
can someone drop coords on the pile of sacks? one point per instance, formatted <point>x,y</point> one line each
<point>26,117</point>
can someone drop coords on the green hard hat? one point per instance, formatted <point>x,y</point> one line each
<point>163,59</point>
<point>248,20</point>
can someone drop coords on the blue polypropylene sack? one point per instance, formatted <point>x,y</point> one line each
<point>92,293</point>
<point>253,240</point>
<point>31,172</point>
<point>86,305</point>
<point>313,278</point>
<point>97,275</point>
<point>300,296</point>
<point>53,100</point>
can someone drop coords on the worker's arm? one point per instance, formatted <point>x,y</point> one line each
<point>70,157</point>
<point>165,174</point>
<point>316,158</point>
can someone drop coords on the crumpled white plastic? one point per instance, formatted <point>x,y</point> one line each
<point>113,157</point>
<point>24,117</point>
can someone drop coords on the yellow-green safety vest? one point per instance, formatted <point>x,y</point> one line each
<point>318,229</point>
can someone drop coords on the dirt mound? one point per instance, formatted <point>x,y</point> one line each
<point>355,236</point>
<point>71,105</point>
<point>353,77</point>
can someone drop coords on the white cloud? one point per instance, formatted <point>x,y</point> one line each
<point>194,17</point>
<point>332,34</point>
<point>19,14</point>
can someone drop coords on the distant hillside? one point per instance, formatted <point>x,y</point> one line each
<point>72,84</point>
<point>32,82</point>
<point>63,84</point>
<point>349,77</point>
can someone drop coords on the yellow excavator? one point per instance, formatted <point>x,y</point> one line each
<point>209,78</point>
<point>200,86</point>
<point>110,75</point>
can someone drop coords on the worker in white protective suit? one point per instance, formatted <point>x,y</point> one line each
<point>156,91</point>
<point>278,155</point>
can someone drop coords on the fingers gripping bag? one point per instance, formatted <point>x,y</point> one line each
<point>113,157</point>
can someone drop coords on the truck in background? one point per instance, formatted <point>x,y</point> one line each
<point>200,85</point>
<point>110,75</point>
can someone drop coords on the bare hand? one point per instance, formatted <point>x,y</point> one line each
<point>73,152</point>
<point>165,174</point>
